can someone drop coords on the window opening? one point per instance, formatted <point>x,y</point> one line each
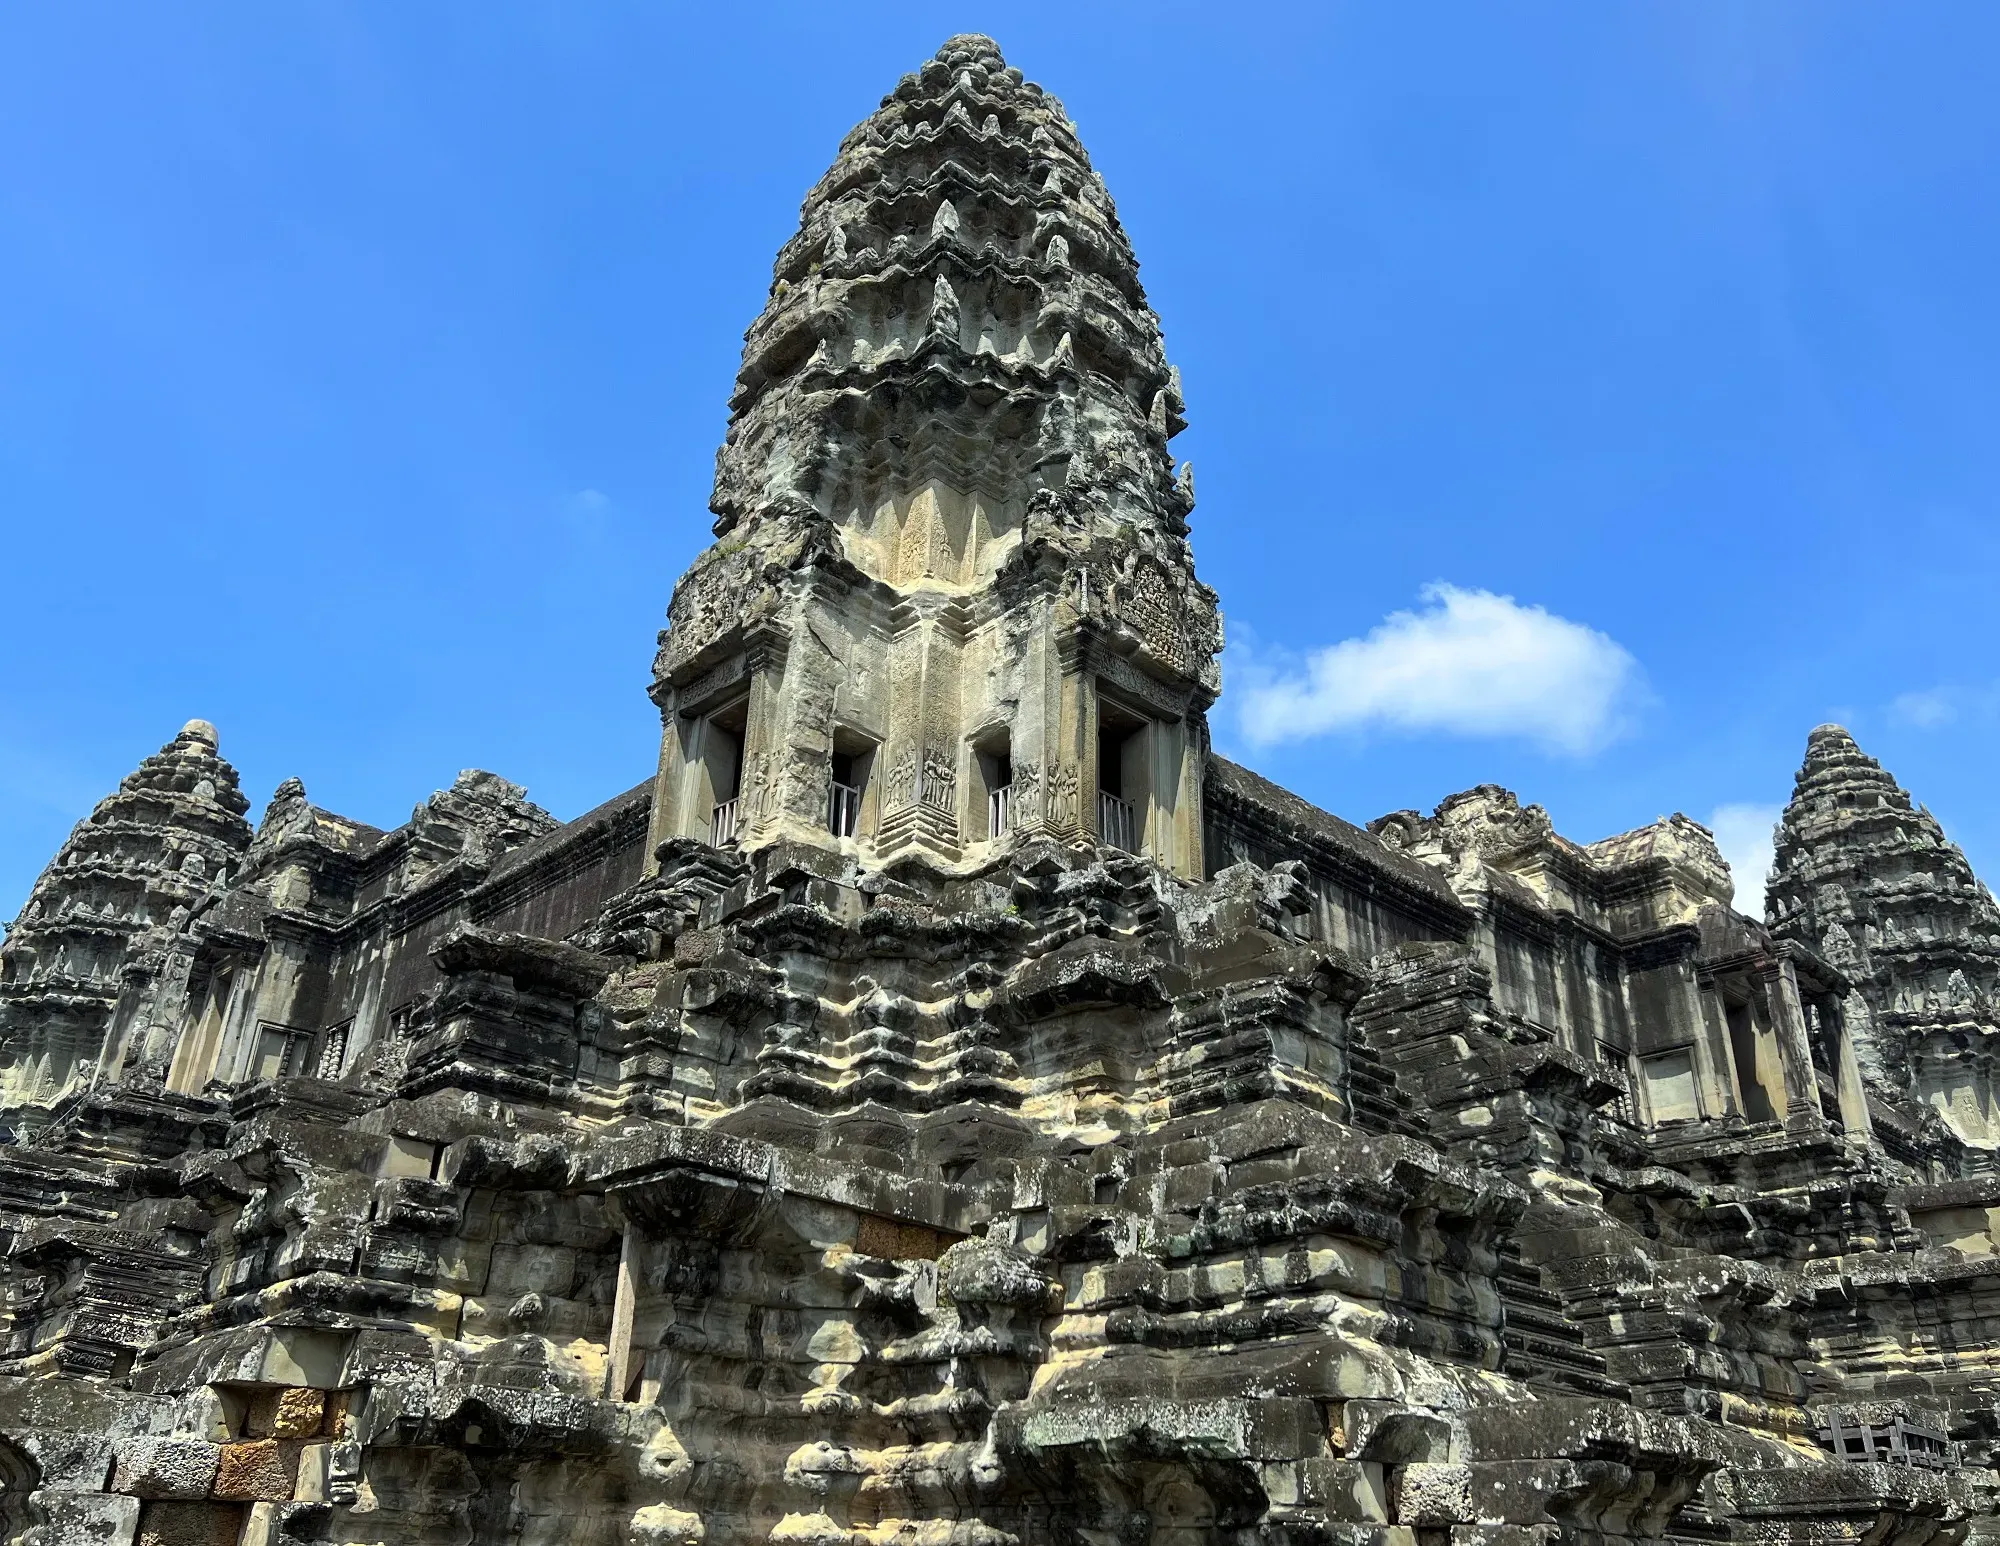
<point>282,1051</point>
<point>722,736</point>
<point>1118,743</point>
<point>843,809</point>
<point>333,1051</point>
<point>849,767</point>
<point>1618,1058</point>
<point>996,773</point>
<point>1670,1087</point>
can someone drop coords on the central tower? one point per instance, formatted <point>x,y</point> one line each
<point>951,604</point>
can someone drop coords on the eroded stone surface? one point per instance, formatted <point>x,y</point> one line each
<point>946,1104</point>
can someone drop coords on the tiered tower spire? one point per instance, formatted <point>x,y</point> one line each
<point>950,529</point>
<point>113,899</point>
<point>1868,879</point>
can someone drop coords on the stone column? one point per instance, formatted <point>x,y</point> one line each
<point>223,1039</point>
<point>1069,765</point>
<point>1037,729</point>
<point>1173,835</point>
<point>623,1303</point>
<point>668,819</point>
<point>1716,1085</point>
<point>201,1033</point>
<point>1853,1094</point>
<point>1788,1027</point>
<point>758,789</point>
<point>920,791</point>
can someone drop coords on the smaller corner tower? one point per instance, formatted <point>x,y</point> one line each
<point>1866,877</point>
<point>951,605</point>
<point>109,916</point>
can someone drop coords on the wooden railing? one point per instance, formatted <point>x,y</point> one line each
<point>722,824</point>
<point>1117,822</point>
<point>843,810</point>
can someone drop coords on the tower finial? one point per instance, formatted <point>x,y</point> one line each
<point>971,48</point>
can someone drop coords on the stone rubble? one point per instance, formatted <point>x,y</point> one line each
<point>946,1104</point>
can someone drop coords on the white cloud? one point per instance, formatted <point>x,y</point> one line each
<point>1469,663</point>
<point>1743,833</point>
<point>1931,709</point>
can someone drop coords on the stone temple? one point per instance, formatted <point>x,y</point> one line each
<point>944,1104</point>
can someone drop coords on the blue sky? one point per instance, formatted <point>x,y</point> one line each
<point>361,368</point>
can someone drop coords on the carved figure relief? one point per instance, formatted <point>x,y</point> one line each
<point>1027,797</point>
<point>1064,781</point>
<point>902,791</point>
<point>940,783</point>
<point>759,796</point>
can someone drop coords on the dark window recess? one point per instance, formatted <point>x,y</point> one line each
<point>995,761</point>
<point>1122,790</point>
<point>848,767</point>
